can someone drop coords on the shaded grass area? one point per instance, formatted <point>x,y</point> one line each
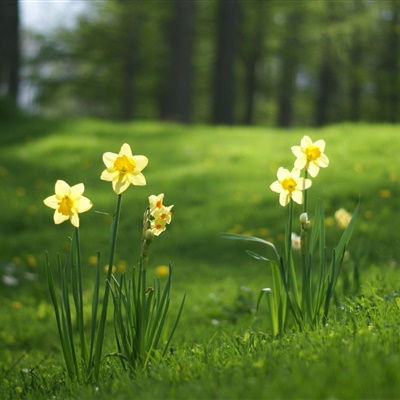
<point>218,179</point>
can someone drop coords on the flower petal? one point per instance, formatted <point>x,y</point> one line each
<point>106,175</point>
<point>75,219</point>
<point>83,204</point>
<point>126,150</point>
<point>297,196</point>
<point>62,188</point>
<point>282,173</point>
<point>60,218</point>
<point>109,159</point>
<point>313,169</point>
<point>51,201</point>
<point>138,179</point>
<point>284,198</point>
<point>141,162</point>
<point>77,190</point>
<point>276,187</point>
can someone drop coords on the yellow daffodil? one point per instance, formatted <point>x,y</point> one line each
<point>68,202</point>
<point>310,155</point>
<point>290,186</point>
<point>124,169</point>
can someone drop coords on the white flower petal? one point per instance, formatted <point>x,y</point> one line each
<point>297,196</point>
<point>276,187</point>
<point>284,198</point>
<point>313,169</point>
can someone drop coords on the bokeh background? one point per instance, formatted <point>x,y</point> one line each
<point>266,62</point>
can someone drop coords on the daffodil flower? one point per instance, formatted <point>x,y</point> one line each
<point>156,202</point>
<point>290,186</point>
<point>164,213</point>
<point>296,241</point>
<point>310,155</point>
<point>68,202</point>
<point>158,226</point>
<point>124,169</point>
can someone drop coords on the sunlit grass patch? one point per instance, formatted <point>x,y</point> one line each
<point>218,180</point>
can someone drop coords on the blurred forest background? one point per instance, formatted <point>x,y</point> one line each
<point>280,63</point>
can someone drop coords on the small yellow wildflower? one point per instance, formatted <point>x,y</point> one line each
<point>162,271</point>
<point>68,202</point>
<point>342,217</point>
<point>310,155</point>
<point>290,186</point>
<point>124,169</point>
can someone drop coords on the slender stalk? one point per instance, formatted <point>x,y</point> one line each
<point>103,317</point>
<point>81,322</point>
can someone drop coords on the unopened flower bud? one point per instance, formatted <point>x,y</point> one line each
<point>148,235</point>
<point>304,218</point>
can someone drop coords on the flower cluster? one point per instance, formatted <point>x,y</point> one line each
<point>139,338</point>
<point>160,215</point>
<point>310,157</point>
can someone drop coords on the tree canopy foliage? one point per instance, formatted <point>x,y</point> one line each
<point>237,62</point>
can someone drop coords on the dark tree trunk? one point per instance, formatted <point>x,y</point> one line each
<point>388,73</point>
<point>129,67</point>
<point>9,48</point>
<point>176,103</point>
<point>224,73</point>
<point>289,64</point>
<point>251,63</point>
<point>327,89</point>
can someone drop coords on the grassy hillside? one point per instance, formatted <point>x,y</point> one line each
<point>218,180</point>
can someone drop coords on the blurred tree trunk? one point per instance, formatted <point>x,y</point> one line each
<point>131,21</point>
<point>9,48</point>
<point>388,74</point>
<point>253,53</point>
<point>325,107</point>
<point>289,57</point>
<point>224,72</point>
<point>129,67</point>
<point>176,102</point>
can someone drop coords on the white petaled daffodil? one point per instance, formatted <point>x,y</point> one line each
<point>124,169</point>
<point>164,213</point>
<point>290,186</point>
<point>156,203</point>
<point>310,155</point>
<point>158,226</point>
<point>68,202</point>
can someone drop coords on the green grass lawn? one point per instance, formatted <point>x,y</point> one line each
<point>218,180</point>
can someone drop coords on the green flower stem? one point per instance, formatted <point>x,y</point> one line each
<point>80,317</point>
<point>103,317</point>
<point>305,192</point>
